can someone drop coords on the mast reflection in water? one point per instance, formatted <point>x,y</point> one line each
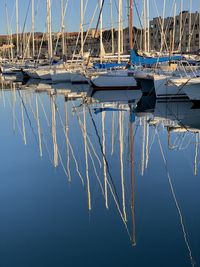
<point>99,180</point>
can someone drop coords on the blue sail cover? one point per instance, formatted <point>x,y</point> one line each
<point>136,60</point>
<point>140,60</point>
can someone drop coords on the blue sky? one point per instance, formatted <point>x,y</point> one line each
<point>72,19</point>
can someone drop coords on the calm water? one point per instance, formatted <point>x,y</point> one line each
<point>97,182</point>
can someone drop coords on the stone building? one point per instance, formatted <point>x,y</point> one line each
<point>180,33</point>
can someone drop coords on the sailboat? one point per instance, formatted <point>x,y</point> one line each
<point>118,78</point>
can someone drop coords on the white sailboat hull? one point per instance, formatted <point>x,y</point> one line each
<point>120,96</point>
<point>165,88</point>
<point>192,91</point>
<point>116,79</point>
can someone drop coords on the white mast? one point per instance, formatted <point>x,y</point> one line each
<point>14,104</point>
<point>17,25</point>
<point>49,31</point>
<point>148,29</point>
<point>174,28</point>
<point>143,147</point>
<point>104,161</point>
<point>196,154</point>
<point>54,133</point>
<point>180,29</point>
<point>131,141</point>
<point>82,17</point>
<point>67,142</point>
<point>112,30</point>
<point>38,125</point>
<point>163,25</point>
<point>101,35</point>
<point>23,121</point>
<point>33,27</point>
<point>119,29</point>
<point>63,28</point>
<point>144,21</point>
<point>190,25</point>
<point>122,33</point>
<point>86,160</point>
<point>121,140</point>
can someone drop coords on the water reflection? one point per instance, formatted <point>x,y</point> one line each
<point>115,132</point>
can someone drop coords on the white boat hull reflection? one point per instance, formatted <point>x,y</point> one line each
<point>120,96</point>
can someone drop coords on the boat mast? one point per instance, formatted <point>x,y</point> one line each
<point>101,35</point>
<point>38,125</point>
<point>23,121</point>
<point>131,141</point>
<point>49,31</point>
<point>67,141</point>
<point>143,146</point>
<point>121,148</point>
<point>144,19</point>
<point>14,105</point>
<point>112,29</point>
<point>131,24</point>
<point>33,27</point>
<point>54,132</point>
<point>63,27</point>
<point>119,30</point>
<point>174,29</point>
<point>122,32</point>
<point>196,154</point>
<point>17,25</point>
<point>162,27</point>
<point>86,159</point>
<point>190,25</point>
<point>148,29</point>
<point>180,29</point>
<point>9,33</point>
<point>104,161</point>
<point>82,17</point>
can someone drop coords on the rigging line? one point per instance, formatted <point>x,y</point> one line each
<point>70,146</point>
<point>42,135</point>
<point>89,152</point>
<point>27,115</point>
<point>98,21</point>
<point>19,128</point>
<point>27,11</point>
<point>137,11</point>
<point>176,202</point>
<point>104,156</point>
<point>81,125</point>
<point>180,122</point>
<point>62,164</point>
<point>43,109</point>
